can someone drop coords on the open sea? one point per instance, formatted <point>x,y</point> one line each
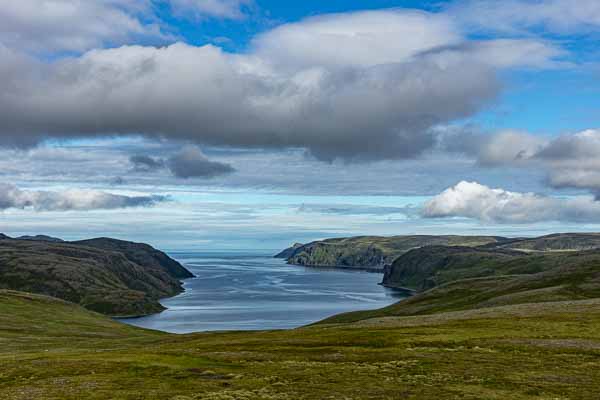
<point>254,291</point>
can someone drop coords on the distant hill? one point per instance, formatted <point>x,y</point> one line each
<point>372,252</point>
<point>112,277</point>
<point>375,252</point>
<point>556,242</point>
<point>141,254</point>
<point>40,238</point>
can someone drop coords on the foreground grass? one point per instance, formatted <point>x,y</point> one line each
<point>55,350</point>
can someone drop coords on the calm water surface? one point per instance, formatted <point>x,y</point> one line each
<point>245,291</point>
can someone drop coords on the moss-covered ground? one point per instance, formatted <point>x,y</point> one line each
<point>50,349</point>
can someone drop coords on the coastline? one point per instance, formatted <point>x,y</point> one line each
<point>136,316</point>
<point>410,292</point>
<point>342,267</point>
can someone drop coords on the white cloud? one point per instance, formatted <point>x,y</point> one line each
<point>72,199</point>
<point>357,39</point>
<point>473,200</point>
<point>49,26</point>
<point>370,38</point>
<point>72,25</point>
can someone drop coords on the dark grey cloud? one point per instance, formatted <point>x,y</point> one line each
<point>507,147</point>
<point>117,181</point>
<point>372,113</point>
<point>574,147</point>
<point>378,101</point>
<point>143,162</point>
<point>190,162</point>
<point>69,200</point>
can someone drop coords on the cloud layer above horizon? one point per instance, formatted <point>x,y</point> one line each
<point>113,104</point>
<point>70,200</point>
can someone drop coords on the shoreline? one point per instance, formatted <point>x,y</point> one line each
<point>183,290</point>
<point>408,291</point>
<point>342,267</point>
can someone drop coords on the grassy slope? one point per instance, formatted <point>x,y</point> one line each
<point>557,242</point>
<point>103,281</point>
<point>429,266</point>
<point>468,283</point>
<point>370,251</point>
<point>524,352</point>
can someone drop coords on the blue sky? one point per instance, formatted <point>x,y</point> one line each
<point>242,124</point>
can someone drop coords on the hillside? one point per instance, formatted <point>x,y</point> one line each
<point>55,350</point>
<point>430,266</point>
<point>372,252</point>
<point>141,254</point>
<point>104,280</point>
<point>465,280</point>
<point>556,242</point>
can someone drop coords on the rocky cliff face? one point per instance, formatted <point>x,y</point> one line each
<point>334,255</point>
<point>117,283</point>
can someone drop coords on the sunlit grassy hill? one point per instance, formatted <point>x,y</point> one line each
<point>55,350</point>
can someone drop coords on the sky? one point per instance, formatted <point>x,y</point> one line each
<point>254,124</point>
